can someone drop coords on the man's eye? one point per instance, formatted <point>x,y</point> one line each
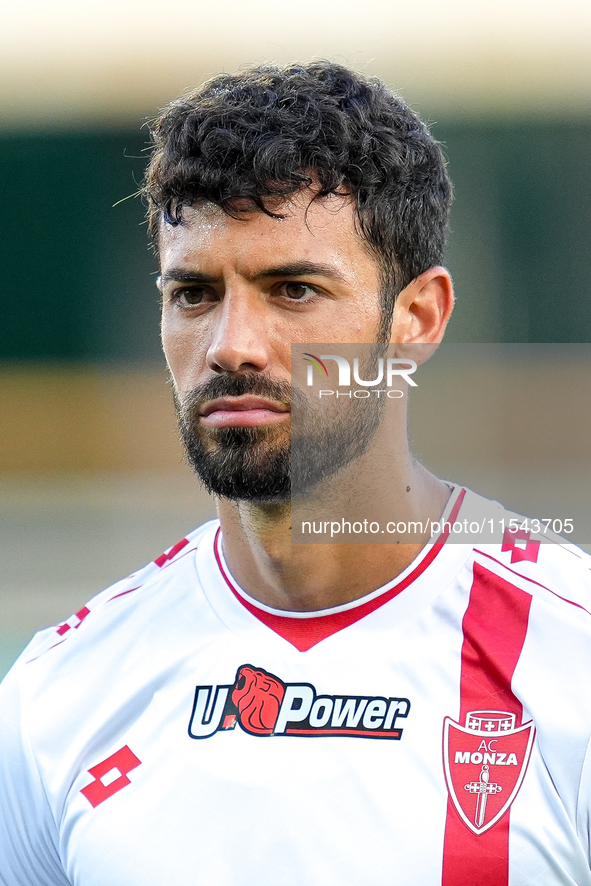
<point>189,297</point>
<point>297,291</point>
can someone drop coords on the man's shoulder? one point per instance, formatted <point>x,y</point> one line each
<point>524,551</point>
<point>123,606</point>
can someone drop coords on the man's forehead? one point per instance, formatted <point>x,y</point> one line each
<point>300,221</point>
<point>304,206</point>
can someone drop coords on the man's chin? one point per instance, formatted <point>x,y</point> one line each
<point>242,470</point>
<point>256,490</point>
<point>262,501</point>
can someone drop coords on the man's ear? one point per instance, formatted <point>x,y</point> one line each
<point>423,308</point>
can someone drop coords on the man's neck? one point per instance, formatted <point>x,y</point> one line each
<point>258,548</point>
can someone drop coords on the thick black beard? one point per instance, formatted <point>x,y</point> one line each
<point>245,464</point>
<point>242,467</point>
<point>250,464</point>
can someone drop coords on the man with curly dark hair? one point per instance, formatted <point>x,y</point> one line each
<point>393,726</point>
<point>309,144</point>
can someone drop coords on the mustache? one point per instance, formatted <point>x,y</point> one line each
<point>236,386</point>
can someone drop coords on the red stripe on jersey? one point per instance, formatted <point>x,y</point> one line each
<point>494,628</point>
<point>123,593</point>
<point>304,633</point>
<point>59,643</point>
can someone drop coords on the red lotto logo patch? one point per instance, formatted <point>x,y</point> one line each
<point>110,776</point>
<point>518,541</point>
<point>77,620</point>
<point>165,558</point>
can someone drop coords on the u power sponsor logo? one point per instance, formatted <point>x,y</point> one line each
<point>387,372</point>
<point>264,705</point>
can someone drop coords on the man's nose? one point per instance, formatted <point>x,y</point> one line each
<point>240,334</point>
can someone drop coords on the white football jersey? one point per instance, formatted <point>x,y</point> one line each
<point>433,733</point>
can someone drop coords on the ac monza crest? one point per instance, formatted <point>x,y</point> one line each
<point>485,763</point>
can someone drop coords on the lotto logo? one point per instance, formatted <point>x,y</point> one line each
<point>75,621</point>
<point>519,542</point>
<point>264,705</point>
<point>165,558</point>
<point>110,776</point>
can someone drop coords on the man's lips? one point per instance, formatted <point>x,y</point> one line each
<point>244,412</point>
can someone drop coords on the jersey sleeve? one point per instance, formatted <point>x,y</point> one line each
<point>28,835</point>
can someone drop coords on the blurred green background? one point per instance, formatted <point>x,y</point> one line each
<point>77,273</point>
<point>92,482</point>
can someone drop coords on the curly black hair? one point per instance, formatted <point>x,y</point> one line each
<point>267,132</point>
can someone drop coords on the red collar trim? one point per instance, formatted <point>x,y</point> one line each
<point>304,633</point>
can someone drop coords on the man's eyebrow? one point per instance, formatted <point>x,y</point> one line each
<point>304,269</point>
<point>296,269</point>
<point>177,275</point>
